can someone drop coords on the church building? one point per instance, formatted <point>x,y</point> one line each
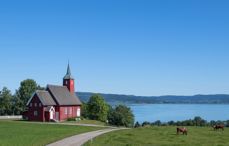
<point>56,103</point>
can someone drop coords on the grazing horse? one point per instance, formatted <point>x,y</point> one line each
<point>217,127</point>
<point>183,130</point>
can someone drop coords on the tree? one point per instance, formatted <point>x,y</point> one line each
<point>6,102</point>
<point>146,124</point>
<point>137,125</point>
<point>171,123</point>
<point>23,94</point>
<point>197,121</point>
<point>227,123</point>
<point>84,110</point>
<point>200,122</point>
<point>212,123</point>
<point>158,123</point>
<point>97,108</point>
<point>121,116</point>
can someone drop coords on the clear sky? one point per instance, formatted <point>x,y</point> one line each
<point>141,47</point>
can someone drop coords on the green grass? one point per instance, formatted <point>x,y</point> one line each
<point>93,122</point>
<point>18,133</point>
<point>163,136</point>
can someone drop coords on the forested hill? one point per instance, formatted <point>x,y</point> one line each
<point>131,99</point>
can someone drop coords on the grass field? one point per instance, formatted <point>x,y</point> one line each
<point>17,133</point>
<point>93,122</point>
<point>163,136</point>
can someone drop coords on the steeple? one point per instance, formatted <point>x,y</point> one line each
<point>68,74</point>
<point>68,80</point>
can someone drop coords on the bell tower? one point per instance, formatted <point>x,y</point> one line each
<point>68,81</point>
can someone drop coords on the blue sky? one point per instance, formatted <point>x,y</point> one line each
<point>140,47</point>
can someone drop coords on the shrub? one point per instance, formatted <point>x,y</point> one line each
<point>137,125</point>
<point>71,119</point>
<point>121,116</point>
<point>97,108</point>
<point>145,124</point>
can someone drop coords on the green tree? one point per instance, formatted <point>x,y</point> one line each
<point>6,99</point>
<point>121,116</point>
<point>84,110</point>
<point>23,94</point>
<point>137,125</point>
<point>157,123</point>
<point>146,123</point>
<point>97,108</point>
<point>199,121</point>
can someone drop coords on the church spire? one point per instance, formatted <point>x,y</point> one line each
<point>68,80</point>
<point>68,70</point>
<point>68,74</point>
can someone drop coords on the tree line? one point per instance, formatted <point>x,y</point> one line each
<point>15,104</point>
<point>196,121</point>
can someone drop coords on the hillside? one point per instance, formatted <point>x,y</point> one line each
<point>171,99</point>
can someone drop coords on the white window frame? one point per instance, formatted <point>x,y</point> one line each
<point>35,104</point>
<point>31,104</point>
<point>40,105</point>
<point>35,113</point>
<point>78,112</point>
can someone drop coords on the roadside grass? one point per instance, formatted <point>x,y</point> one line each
<point>93,122</point>
<point>163,136</point>
<point>19,133</point>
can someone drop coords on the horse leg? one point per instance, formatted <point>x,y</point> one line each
<point>178,132</point>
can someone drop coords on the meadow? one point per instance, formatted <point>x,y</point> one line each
<point>163,136</point>
<point>18,133</point>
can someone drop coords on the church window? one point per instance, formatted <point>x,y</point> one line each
<point>35,113</point>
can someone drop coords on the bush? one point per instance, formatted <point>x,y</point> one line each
<point>121,116</point>
<point>71,119</point>
<point>97,108</point>
<point>84,110</point>
<point>137,125</point>
<point>145,124</point>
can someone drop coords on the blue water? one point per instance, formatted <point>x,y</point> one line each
<point>176,112</point>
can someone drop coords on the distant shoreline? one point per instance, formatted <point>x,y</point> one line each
<point>114,99</point>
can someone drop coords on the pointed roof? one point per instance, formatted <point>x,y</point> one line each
<point>44,97</point>
<point>62,95</point>
<point>68,74</point>
<point>56,95</point>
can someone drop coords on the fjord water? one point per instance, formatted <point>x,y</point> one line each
<point>177,112</point>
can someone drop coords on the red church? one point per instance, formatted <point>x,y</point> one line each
<point>56,103</point>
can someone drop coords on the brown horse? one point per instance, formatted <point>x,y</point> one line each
<point>183,130</point>
<point>217,127</point>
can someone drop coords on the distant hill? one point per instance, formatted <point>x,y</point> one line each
<point>171,99</point>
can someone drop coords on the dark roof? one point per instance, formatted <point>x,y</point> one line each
<point>62,95</point>
<point>45,98</point>
<point>68,74</point>
<point>48,108</point>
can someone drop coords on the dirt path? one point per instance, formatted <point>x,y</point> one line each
<point>80,139</point>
